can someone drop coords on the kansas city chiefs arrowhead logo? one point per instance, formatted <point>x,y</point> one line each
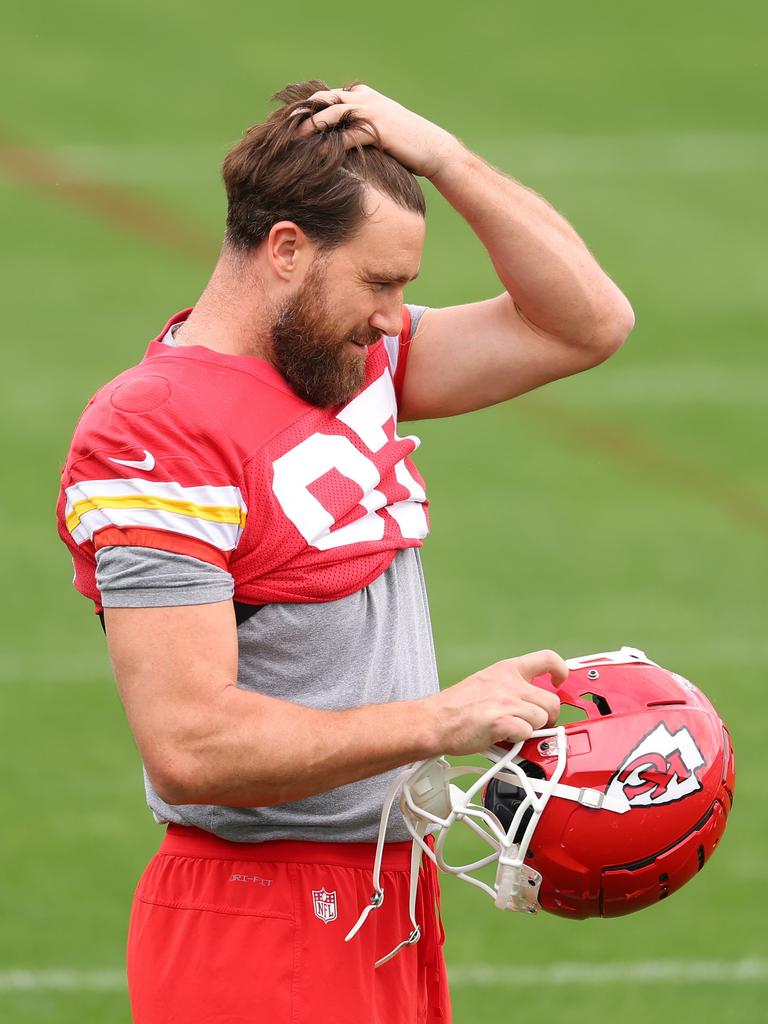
<point>661,769</point>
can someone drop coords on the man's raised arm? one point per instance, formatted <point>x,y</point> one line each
<point>560,312</point>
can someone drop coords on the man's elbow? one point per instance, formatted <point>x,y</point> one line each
<point>187,780</point>
<point>174,781</point>
<point>611,330</point>
<point>181,772</point>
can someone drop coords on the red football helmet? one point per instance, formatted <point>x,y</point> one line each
<point>660,762</point>
<point>596,818</point>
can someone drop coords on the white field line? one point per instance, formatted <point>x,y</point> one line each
<point>62,979</point>
<point>751,969</point>
<point>54,668</point>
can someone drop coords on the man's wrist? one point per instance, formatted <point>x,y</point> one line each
<point>430,734</point>
<point>453,164</point>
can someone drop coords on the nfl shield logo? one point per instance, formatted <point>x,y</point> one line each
<point>324,903</point>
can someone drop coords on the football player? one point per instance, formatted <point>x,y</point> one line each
<point>246,518</point>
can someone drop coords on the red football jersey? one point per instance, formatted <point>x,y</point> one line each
<point>215,456</point>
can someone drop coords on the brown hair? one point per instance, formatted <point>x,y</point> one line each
<point>270,175</point>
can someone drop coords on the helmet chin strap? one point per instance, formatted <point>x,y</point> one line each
<point>430,801</point>
<point>415,932</point>
<point>378,893</point>
<point>593,798</point>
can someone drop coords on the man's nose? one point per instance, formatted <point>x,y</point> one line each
<point>389,321</point>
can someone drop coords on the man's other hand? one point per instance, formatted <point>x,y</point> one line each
<point>498,703</point>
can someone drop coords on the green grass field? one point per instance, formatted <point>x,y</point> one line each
<point>626,506</point>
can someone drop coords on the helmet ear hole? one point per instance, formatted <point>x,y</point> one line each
<point>503,799</point>
<point>600,703</point>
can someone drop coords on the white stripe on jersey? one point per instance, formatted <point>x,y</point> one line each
<point>116,486</point>
<point>215,515</point>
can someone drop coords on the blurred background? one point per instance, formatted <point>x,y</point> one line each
<point>627,506</point>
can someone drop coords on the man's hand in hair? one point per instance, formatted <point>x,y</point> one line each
<point>418,144</point>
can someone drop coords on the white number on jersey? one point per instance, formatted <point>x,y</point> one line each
<point>312,458</point>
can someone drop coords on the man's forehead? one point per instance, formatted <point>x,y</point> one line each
<point>378,205</point>
<point>389,271</point>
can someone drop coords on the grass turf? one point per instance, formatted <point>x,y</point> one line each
<point>625,506</point>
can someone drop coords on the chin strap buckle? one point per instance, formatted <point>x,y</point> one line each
<point>412,939</point>
<point>375,902</point>
<point>517,885</point>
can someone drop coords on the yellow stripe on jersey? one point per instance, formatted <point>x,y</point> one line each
<point>211,513</point>
<point>215,514</point>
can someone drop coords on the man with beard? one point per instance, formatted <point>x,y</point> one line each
<point>247,521</point>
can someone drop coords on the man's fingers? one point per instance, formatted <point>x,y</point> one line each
<point>358,137</point>
<point>522,725</point>
<point>332,96</point>
<point>541,663</point>
<point>513,729</point>
<point>537,715</point>
<point>321,120</point>
<point>548,702</point>
<point>338,103</point>
<point>353,137</point>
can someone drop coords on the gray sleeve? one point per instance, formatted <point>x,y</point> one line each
<point>416,313</point>
<point>134,577</point>
<point>392,341</point>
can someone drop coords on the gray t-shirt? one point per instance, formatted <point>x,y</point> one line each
<point>372,647</point>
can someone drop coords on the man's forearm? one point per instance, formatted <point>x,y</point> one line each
<point>547,269</point>
<point>244,749</point>
<point>252,751</point>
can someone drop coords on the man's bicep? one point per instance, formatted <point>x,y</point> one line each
<point>171,665</point>
<point>468,357</point>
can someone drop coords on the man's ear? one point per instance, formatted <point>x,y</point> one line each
<point>289,251</point>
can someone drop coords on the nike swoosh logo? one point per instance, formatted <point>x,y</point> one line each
<point>147,463</point>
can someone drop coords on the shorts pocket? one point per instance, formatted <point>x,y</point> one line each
<point>211,941</point>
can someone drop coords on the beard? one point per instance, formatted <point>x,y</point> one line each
<point>312,353</point>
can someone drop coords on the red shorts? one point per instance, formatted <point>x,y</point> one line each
<point>238,933</point>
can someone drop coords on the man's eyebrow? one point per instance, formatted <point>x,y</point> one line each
<point>388,277</point>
